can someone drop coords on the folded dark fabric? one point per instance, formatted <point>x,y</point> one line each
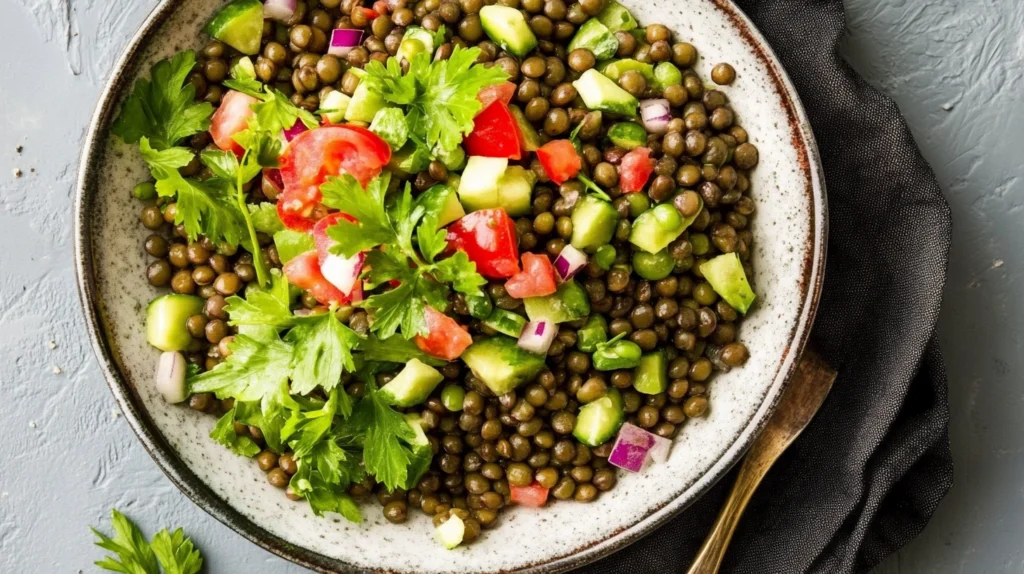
<point>867,474</point>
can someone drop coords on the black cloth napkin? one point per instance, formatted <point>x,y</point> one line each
<point>867,474</point>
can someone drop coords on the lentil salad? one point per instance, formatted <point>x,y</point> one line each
<point>609,294</point>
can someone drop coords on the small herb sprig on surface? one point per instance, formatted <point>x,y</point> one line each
<point>167,553</point>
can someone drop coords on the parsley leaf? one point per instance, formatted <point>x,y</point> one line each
<point>267,306</point>
<point>373,227</point>
<point>264,218</point>
<point>254,371</point>
<point>593,187</point>
<point>224,433</point>
<point>439,97</point>
<point>323,351</point>
<point>461,273</point>
<point>402,307</point>
<point>322,495</point>
<point>392,350</point>
<point>135,555</point>
<point>176,553</point>
<point>290,244</point>
<point>204,207</point>
<point>162,108</point>
<point>384,455</point>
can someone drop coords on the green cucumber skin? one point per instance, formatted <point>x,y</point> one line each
<point>651,376</point>
<point>613,415</point>
<point>568,303</point>
<point>593,224</point>
<point>501,364</point>
<point>224,25</point>
<point>506,322</point>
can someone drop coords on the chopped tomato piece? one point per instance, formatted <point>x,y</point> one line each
<point>304,273</point>
<point>635,168</point>
<point>500,92</point>
<point>294,213</point>
<point>537,278</point>
<point>494,134</point>
<point>317,154</point>
<point>231,118</point>
<point>488,237</point>
<point>446,339</point>
<point>371,14</point>
<point>560,160</point>
<point>381,7</point>
<point>533,495</point>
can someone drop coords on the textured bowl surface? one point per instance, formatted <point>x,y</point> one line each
<point>789,230</point>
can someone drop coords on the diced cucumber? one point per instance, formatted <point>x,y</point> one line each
<point>451,531</point>
<point>599,420</point>
<point>616,17</point>
<point>501,364</point>
<point>568,303</point>
<point>515,190</point>
<point>660,225</point>
<point>165,321</point>
<point>239,25</point>
<point>627,135</point>
<point>414,41</point>
<point>415,422</point>
<point>364,105</point>
<point>615,68</point>
<point>616,354</point>
<point>593,333</point>
<point>506,322</point>
<point>601,93</point>
<point>453,159</point>
<point>444,199</point>
<point>411,159</point>
<point>334,106</point>
<point>651,376</point>
<point>667,74</point>
<point>593,223</point>
<point>594,36</point>
<point>412,385</point>
<point>480,306</point>
<point>529,138</point>
<point>389,123</point>
<point>726,275</point>
<point>653,266</point>
<point>422,455</point>
<point>507,28</point>
<point>479,186</point>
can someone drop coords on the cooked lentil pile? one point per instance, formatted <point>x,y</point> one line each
<point>651,213</point>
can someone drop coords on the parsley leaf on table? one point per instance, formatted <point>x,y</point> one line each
<point>135,555</point>
<point>224,433</point>
<point>162,108</point>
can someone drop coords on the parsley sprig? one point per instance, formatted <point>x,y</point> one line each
<point>133,554</point>
<point>411,241</point>
<point>438,97</point>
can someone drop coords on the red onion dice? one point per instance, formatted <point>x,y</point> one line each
<point>569,262</point>
<point>279,10</point>
<point>343,40</point>
<point>537,337</point>
<point>656,115</point>
<point>294,131</point>
<point>170,377</point>
<point>634,446</point>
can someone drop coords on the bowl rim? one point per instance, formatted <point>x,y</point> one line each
<point>201,494</point>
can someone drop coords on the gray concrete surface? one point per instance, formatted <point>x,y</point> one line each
<point>955,67</point>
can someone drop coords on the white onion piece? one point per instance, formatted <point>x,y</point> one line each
<point>656,115</point>
<point>343,272</point>
<point>537,337</point>
<point>569,262</point>
<point>634,447</point>
<point>343,40</point>
<point>279,10</point>
<point>170,377</point>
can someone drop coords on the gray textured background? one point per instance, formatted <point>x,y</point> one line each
<point>955,67</point>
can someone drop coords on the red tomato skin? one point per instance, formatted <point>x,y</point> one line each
<point>488,237</point>
<point>502,92</point>
<point>304,273</point>
<point>370,12</point>
<point>634,170</point>
<point>560,160</point>
<point>494,134</point>
<point>317,154</point>
<point>446,338</point>
<point>533,496</point>
<point>231,118</point>
<point>537,278</point>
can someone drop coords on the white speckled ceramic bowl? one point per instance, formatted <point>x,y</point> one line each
<point>790,229</point>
